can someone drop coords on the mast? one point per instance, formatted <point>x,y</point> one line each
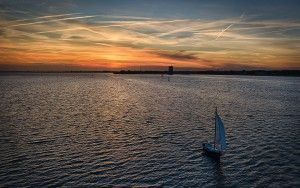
<point>215,128</point>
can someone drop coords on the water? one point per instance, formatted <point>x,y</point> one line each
<point>143,130</point>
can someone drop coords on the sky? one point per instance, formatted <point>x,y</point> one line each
<point>57,35</point>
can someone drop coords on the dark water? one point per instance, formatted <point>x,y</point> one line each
<point>142,130</point>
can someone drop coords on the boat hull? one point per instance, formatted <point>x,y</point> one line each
<point>210,151</point>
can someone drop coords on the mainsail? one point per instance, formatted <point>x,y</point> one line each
<point>220,138</point>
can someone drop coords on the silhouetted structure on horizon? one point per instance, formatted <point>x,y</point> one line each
<point>170,72</point>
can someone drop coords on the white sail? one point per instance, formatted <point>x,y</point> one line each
<point>217,132</point>
<point>220,135</point>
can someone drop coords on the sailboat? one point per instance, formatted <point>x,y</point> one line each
<point>219,147</point>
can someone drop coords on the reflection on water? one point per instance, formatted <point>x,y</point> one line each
<point>220,177</point>
<point>143,130</point>
<point>217,170</point>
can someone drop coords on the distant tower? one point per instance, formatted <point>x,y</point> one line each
<point>170,70</point>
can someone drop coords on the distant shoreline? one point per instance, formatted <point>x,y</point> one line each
<point>212,72</point>
<point>295,73</point>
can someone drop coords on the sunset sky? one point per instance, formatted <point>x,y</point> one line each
<point>149,34</point>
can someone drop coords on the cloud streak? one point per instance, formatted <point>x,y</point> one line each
<point>176,55</point>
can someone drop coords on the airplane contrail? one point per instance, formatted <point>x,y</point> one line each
<point>55,20</point>
<point>58,30</point>
<point>45,17</point>
<point>69,18</point>
<point>126,17</point>
<point>223,30</point>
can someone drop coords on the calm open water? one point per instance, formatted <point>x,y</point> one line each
<point>78,130</point>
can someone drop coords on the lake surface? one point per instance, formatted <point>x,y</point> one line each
<point>79,130</point>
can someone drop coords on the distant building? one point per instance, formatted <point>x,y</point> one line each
<point>170,70</point>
